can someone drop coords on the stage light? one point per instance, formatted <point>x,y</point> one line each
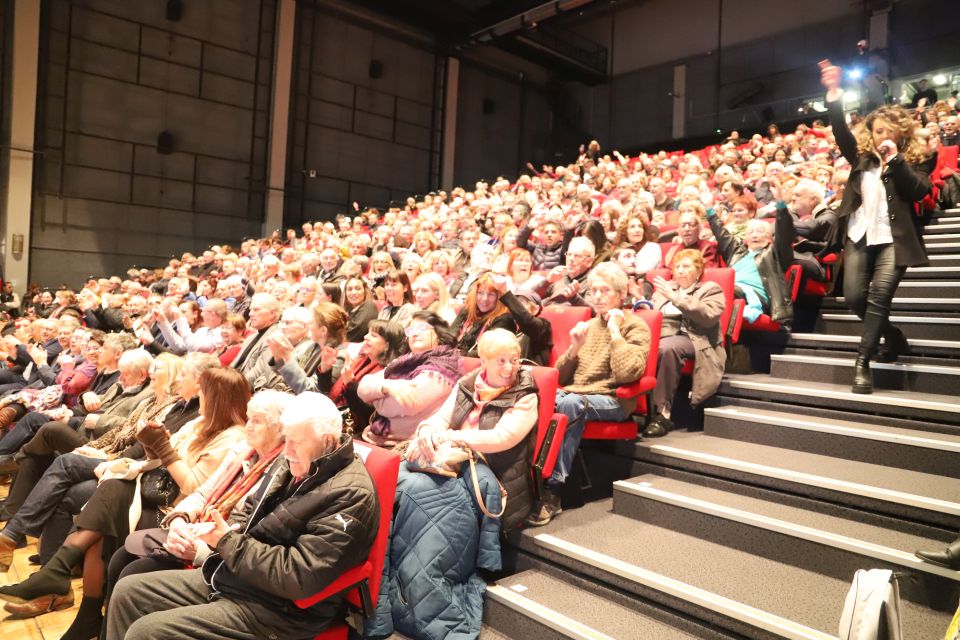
<point>855,73</point>
<point>939,80</point>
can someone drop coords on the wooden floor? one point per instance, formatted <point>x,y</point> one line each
<point>46,627</point>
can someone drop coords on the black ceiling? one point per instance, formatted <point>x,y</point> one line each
<point>548,41</point>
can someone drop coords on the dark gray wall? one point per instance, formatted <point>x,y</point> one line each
<point>368,139</point>
<point>529,122</point>
<point>771,46</point>
<point>114,74</point>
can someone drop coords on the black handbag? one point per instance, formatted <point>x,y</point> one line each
<point>158,489</point>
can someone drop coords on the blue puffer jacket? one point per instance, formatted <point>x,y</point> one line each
<point>438,539</point>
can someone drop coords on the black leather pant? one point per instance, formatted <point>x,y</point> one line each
<point>871,277</point>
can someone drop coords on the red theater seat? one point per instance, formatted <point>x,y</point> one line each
<point>563,319</point>
<point>363,581</point>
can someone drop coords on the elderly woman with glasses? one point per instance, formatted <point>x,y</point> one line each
<point>606,352</point>
<point>413,386</point>
<point>691,309</point>
<point>440,533</point>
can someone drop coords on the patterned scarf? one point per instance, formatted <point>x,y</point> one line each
<point>229,491</point>
<point>483,393</point>
<point>357,369</point>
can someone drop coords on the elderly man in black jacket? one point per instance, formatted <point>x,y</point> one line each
<point>314,516</point>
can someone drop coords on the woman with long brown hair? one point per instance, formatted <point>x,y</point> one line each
<point>121,502</point>
<point>636,232</point>
<point>481,312</point>
<point>877,229</point>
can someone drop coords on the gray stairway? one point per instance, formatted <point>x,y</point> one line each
<point>754,525</point>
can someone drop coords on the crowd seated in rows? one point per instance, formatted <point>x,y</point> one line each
<point>606,270</point>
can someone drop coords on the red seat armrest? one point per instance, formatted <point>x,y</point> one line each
<point>634,389</point>
<point>555,445</point>
<point>348,579</point>
<point>736,320</point>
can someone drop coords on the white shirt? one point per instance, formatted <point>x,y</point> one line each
<point>871,218</point>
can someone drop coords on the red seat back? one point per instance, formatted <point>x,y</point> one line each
<point>723,276</point>
<point>383,466</point>
<point>562,321</point>
<point>654,320</point>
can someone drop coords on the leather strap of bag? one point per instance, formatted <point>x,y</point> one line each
<point>476,486</point>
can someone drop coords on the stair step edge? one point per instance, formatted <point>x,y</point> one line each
<point>811,534</point>
<point>714,602</point>
<point>544,615</point>
<point>822,482</point>
<point>835,427</point>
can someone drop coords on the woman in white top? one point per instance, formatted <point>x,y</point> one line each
<point>878,228</point>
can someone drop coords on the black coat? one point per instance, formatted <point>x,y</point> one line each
<point>536,330</point>
<point>772,262</point>
<point>903,183</point>
<point>467,339</point>
<point>296,539</point>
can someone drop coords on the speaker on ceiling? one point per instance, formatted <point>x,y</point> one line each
<point>489,106</point>
<point>165,143</point>
<point>376,69</point>
<point>174,10</point>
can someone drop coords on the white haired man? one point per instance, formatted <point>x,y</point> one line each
<point>815,224</point>
<point>314,516</point>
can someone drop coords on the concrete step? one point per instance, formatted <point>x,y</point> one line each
<point>944,220</point>
<point>855,438</point>
<point>549,603</point>
<point>938,289</point>
<point>942,378</point>
<point>889,402</point>
<point>929,238</point>
<point>920,346</point>
<point>912,495</point>
<point>733,588</point>
<point>942,247</point>
<point>913,326</point>
<point>942,265</point>
<point>926,298</point>
<point>936,271</point>
<point>909,424</point>
<point>942,226</point>
<point>835,543</point>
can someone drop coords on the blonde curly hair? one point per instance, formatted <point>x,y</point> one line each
<point>907,143</point>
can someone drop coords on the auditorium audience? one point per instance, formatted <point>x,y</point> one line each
<point>450,273</point>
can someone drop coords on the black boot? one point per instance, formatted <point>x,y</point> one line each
<point>948,557</point>
<point>895,344</point>
<point>53,578</point>
<point>88,622</point>
<point>862,378</point>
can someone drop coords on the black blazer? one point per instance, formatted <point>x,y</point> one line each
<point>903,183</point>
